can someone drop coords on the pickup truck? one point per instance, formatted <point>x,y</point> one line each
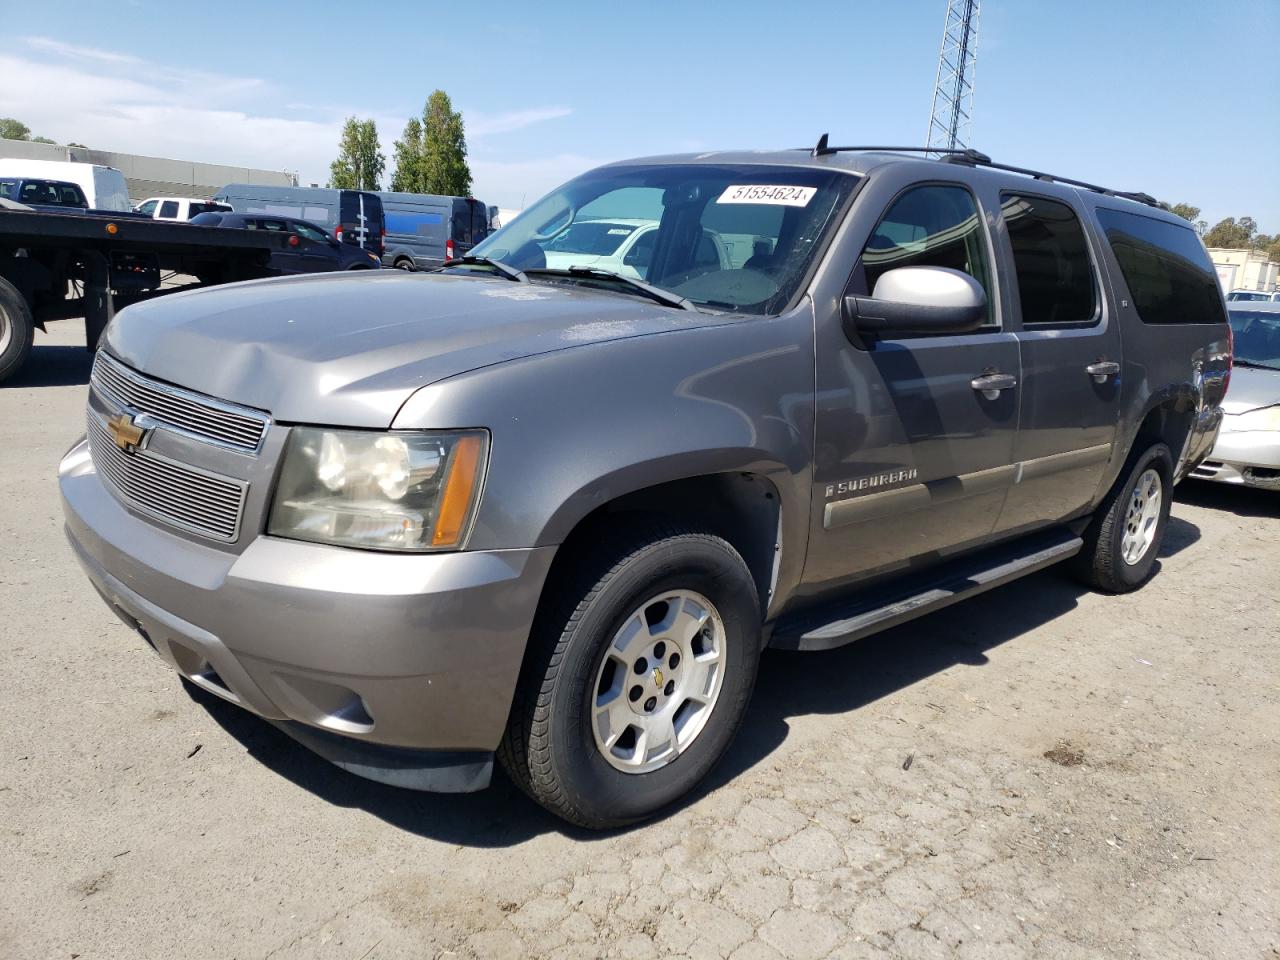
<point>552,514</point>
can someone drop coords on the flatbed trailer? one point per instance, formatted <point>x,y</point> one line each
<point>57,266</point>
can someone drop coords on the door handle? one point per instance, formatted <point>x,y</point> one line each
<point>1101,370</point>
<point>990,384</point>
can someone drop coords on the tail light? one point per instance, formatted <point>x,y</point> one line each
<point>337,233</point>
<point>448,249</point>
<point>1231,357</point>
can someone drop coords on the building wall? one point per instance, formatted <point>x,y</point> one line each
<point>153,176</point>
<point>1244,269</point>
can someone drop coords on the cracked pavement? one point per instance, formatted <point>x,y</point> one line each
<point>1040,772</point>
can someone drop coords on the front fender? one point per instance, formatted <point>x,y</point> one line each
<point>575,428</point>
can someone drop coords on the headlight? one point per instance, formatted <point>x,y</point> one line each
<point>1267,418</point>
<point>382,491</point>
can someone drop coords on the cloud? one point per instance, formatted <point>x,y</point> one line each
<point>71,51</point>
<point>484,124</point>
<point>116,101</point>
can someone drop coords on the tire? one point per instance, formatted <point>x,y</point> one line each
<point>17,330</point>
<point>406,265</point>
<point>551,747</point>
<point>1107,561</point>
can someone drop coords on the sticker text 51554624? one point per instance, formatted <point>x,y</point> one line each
<point>777,195</point>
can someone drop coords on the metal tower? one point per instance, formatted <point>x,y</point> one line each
<point>952,113</point>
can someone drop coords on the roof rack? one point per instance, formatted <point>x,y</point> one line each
<point>975,158</point>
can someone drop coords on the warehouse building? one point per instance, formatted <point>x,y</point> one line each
<point>153,176</point>
<point>1244,269</point>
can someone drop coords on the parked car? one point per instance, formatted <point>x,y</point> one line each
<point>424,231</point>
<point>623,246</point>
<point>555,513</point>
<point>1248,448</point>
<point>353,216</point>
<point>42,194</point>
<point>180,208</point>
<point>310,249</point>
<point>104,187</point>
<point>1254,296</point>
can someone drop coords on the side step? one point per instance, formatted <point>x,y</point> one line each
<point>870,615</point>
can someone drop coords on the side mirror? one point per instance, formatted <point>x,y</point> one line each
<point>918,300</point>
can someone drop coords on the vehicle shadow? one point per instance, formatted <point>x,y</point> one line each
<point>789,685</point>
<point>53,365</point>
<point>1242,501</point>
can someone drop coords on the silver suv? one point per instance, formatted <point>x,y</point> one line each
<point>553,512</point>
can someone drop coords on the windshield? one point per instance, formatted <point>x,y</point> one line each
<point>736,237</point>
<point>1257,336</point>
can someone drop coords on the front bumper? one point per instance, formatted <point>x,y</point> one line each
<point>400,668</point>
<point>1247,457</point>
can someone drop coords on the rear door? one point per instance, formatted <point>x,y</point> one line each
<point>912,460</point>
<point>1069,343</point>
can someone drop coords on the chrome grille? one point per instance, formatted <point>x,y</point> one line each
<point>202,418</point>
<point>195,500</point>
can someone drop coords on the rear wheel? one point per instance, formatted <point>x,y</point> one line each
<point>17,330</point>
<point>1123,540</point>
<point>404,264</point>
<point>638,675</point>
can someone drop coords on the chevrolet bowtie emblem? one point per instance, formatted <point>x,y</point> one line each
<point>657,677</point>
<point>125,432</point>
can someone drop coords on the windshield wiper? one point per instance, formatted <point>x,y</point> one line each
<point>664,297</point>
<point>1243,362</point>
<point>500,268</point>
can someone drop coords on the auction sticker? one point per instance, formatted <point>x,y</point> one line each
<point>762,193</point>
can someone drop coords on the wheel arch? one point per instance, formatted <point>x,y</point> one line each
<point>743,507</point>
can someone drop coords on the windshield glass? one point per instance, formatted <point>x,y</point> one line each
<point>1257,336</point>
<point>733,237</point>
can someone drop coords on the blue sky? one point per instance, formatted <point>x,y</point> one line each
<point>1113,92</point>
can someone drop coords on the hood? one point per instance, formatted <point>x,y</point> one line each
<point>1250,389</point>
<point>348,349</point>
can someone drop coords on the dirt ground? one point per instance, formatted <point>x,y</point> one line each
<point>1041,772</point>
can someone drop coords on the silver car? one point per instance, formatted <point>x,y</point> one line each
<point>1248,447</point>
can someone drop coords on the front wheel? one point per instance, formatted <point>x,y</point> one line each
<point>1123,540</point>
<point>638,674</point>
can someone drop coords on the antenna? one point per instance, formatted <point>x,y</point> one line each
<point>952,114</point>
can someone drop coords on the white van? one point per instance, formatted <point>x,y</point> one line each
<point>179,208</point>
<point>104,187</point>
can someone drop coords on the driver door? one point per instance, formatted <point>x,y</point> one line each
<point>912,462</point>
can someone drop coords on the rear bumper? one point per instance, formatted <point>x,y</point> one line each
<point>1200,441</point>
<point>400,668</point>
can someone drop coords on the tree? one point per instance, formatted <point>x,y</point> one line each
<point>1231,233</point>
<point>11,129</point>
<point>42,140</point>
<point>1186,211</point>
<point>1273,251</point>
<point>408,176</point>
<point>360,160</point>
<point>444,148</point>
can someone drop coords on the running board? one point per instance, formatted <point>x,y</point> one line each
<point>855,621</point>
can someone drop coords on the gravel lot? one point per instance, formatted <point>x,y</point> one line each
<point>1042,772</point>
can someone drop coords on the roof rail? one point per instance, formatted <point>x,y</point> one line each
<point>975,158</point>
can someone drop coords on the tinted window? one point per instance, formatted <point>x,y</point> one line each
<point>1165,267</point>
<point>1051,261</point>
<point>930,226</point>
<point>9,189</point>
<point>71,195</point>
<point>169,208</point>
